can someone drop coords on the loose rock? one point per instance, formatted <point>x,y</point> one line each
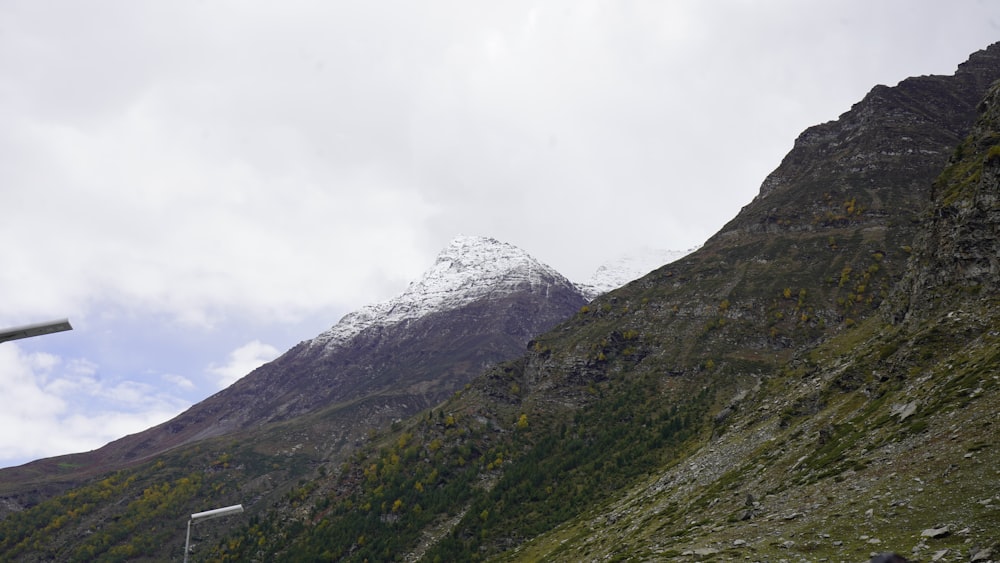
<point>935,533</point>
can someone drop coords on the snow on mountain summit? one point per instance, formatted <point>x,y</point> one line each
<point>632,266</point>
<point>470,268</point>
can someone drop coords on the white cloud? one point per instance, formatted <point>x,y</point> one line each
<point>179,381</point>
<point>308,155</point>
<point>242,361</point>
<point>53,406</point>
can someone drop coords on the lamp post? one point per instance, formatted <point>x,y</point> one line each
<point>208,515</point>
<point>36,329</point>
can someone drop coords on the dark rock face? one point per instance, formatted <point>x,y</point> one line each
<point>833,226</point>
<point>957,254</point>
<point>882,154</point>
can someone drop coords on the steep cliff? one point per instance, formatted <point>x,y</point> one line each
<point>957,253</point>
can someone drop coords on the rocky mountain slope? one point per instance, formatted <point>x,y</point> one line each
<point>477,305</point>
<point>816,383</point>
<point>745,400</point>
<point>881,438</point>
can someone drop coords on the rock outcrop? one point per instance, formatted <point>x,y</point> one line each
<point>956,256</point>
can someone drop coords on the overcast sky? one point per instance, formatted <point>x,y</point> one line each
<point>199,185</point>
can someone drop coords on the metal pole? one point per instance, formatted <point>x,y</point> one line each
<point>208,515</point>
<point>36,329</point>
<point>187,542</point>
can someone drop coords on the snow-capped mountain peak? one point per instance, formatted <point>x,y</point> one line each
<point>639,262</point>
<point>468,269</point>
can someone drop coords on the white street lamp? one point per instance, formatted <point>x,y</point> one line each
<point>208,515</point>
<point>36,329</point>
